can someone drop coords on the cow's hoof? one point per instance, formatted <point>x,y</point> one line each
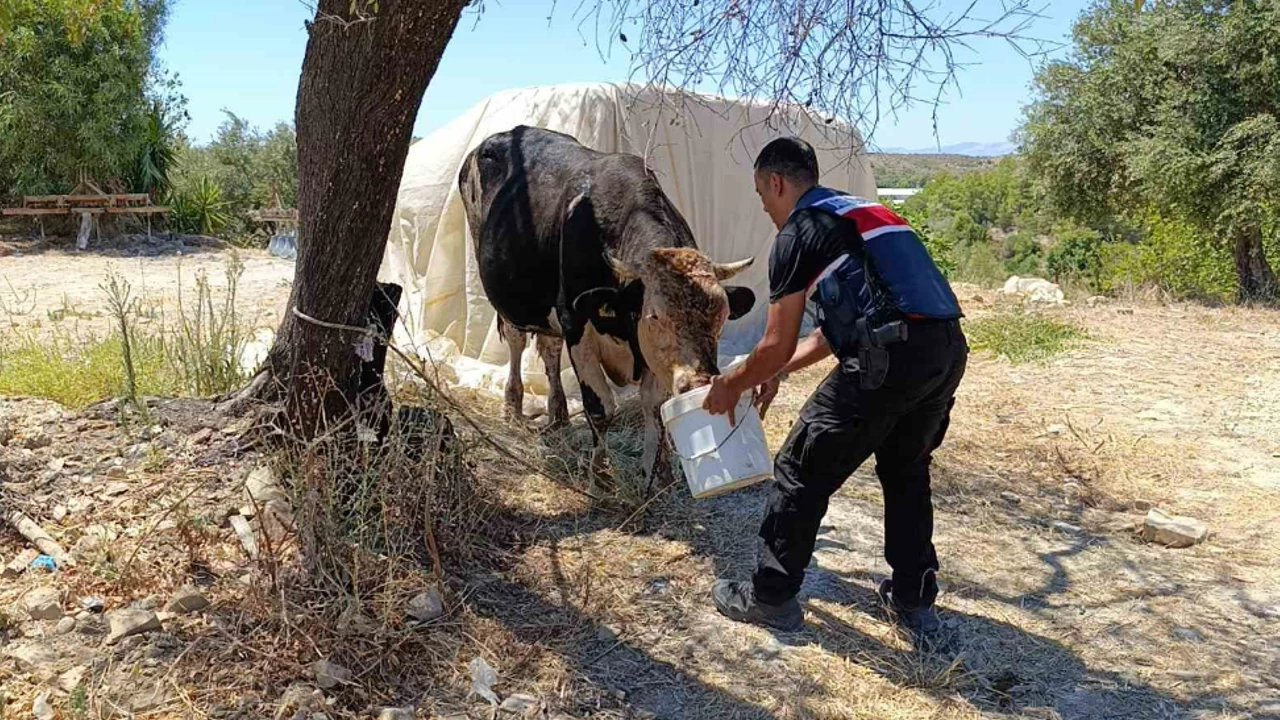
<point>547,424</point>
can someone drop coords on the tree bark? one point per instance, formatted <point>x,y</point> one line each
<point>366,68</point>
<point>1257,280</point>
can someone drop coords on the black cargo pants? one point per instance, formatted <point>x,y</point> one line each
<point>840,426</point>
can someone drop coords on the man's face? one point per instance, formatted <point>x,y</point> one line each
<point>772,189</point>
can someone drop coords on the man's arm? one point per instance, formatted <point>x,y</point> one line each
<point>810,350</point>
<point>775,350</point>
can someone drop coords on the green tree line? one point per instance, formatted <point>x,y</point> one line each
<point>1150,156</point>
<point>82,94</point>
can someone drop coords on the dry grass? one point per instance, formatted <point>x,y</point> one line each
<point>1055,609</point>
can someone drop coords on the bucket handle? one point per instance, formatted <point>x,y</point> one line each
<point>722,442</point>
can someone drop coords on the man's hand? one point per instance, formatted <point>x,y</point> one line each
<point>766,393</point>
<point>721,399</point>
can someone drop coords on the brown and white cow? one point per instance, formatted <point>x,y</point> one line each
<point>583,245</point>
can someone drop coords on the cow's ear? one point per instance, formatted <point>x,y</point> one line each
<point>631,297</point>
<point>600,307</point>
<point>741,300</point>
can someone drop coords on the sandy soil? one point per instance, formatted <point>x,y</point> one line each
<point>44,283</point>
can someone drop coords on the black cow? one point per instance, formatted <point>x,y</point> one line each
<point>584,246</point>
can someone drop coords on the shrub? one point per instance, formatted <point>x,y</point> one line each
<point>197,208</point>
<point>1076,257</point>
<point>1174,257</point>
<point>1021,254</point>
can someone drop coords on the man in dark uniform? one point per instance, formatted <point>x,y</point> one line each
<point>891,319</point>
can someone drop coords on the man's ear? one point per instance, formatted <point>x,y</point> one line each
<point>741,300</point>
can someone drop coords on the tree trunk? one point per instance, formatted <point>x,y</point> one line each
<point>1257,280</point>
<point>366,68</point>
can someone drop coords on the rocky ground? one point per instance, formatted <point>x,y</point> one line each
<point>180,595</point>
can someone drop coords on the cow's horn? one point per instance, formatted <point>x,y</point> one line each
<point>621,269</point>
<point>724,271</point>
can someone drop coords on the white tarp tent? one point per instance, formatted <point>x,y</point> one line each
<point>701,149</point>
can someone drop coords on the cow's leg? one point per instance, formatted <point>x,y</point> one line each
<point>557,406</point>
<point>657,456</point>
<point>597,399</point>
<point>516,342</point>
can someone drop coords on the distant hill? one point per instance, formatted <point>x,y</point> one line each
<point>974,149</point>
<point>905,170</point>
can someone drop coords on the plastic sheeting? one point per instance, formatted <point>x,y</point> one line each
<point>701,149</point>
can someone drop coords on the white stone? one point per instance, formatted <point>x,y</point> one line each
<point>1175,531</point>
<point>18,564</point>
<point>520,704</point>
<point>1034,290</point>
<point>35,658</point>
<point>44,604</point>
<point>1011,497</point>
<point>65,625</point>
<point>71,679</point>
<point>131,622</point>
<point>41,709</point>
<point>330,675</point>
<point>117,472</point>
<point>395,713</point>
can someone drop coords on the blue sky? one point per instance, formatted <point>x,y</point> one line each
<point>245,56</point>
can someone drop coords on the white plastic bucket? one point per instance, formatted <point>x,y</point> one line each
<point>716,456</point>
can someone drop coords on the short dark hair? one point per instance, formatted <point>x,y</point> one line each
<point>790,157</point>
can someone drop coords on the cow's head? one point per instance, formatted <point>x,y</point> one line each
<point>679,307</point>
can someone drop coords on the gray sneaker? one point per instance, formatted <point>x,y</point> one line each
<point>922,621</point>
<point>735,599</point>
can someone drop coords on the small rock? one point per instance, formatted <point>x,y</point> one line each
<point>1141,505</point>
<point>1173,531</point>
<point>18,564</point>
<point>41,709</point>
<point>1012,498</point>
<point>186,599</point>
<point>35,658</point>
<point>112,489</point>
<point>131,622</point>
<point>93,604</point>
<point>244,531</point>
<point>117,472</point>
<point>36,440</point>
<point>520,704</point>
<point>59,512</point>
<point>1056,429</point>
<point>330,675</point>
<point>200,436</point>
<point>1187,634</point>
<point>65,625</point>
<point>301,696</point>
<point>426,606</point>
<point>44,604</point>
<point>55,465</point>
<point>1095,300</point>
<point>71,679</point>
<point>395,713</point>
<point>1066,527</point>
